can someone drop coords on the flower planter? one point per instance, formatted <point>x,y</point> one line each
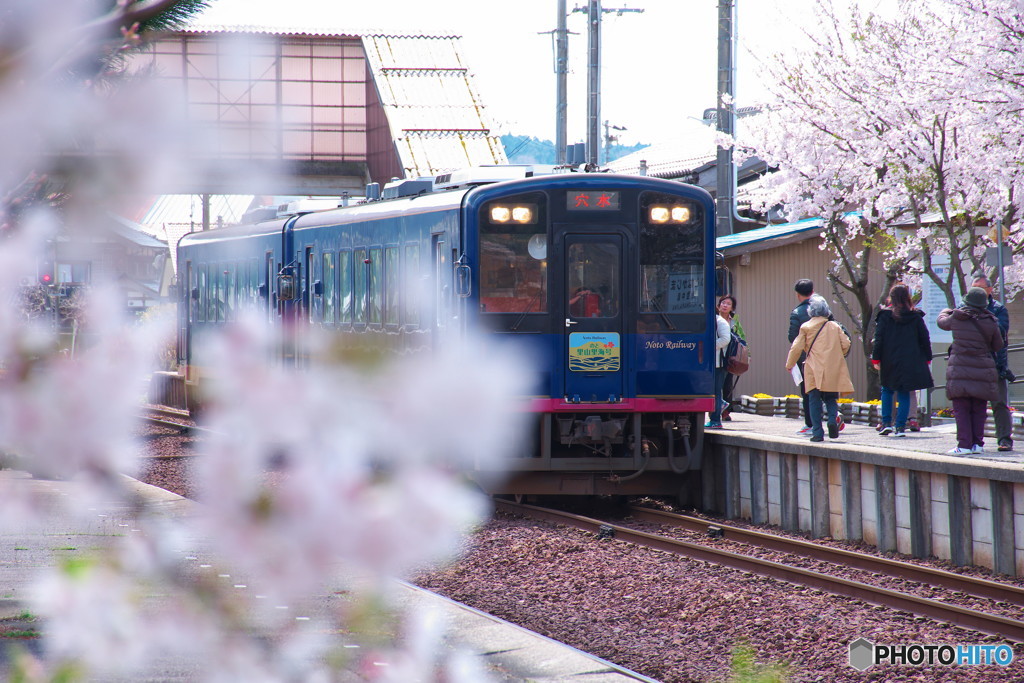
<point>860,413</point>
<point>760,406</point>
<point>794,407</point>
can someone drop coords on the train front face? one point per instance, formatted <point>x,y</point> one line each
<point>610,281</point>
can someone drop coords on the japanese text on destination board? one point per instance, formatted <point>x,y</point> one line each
<point>685,292</point>
<point>580,200</point>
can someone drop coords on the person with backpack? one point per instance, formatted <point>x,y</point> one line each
<point>823,344</point>
<point>727,309</point>
<point>901,353</point>
<point>722,338</point>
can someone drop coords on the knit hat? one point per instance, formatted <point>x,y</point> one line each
<point>977,297</point>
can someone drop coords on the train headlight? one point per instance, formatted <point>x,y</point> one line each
<point>522,214</point>
<point>669,214</point>
<point>500,214</point>
<point>680,214</point>
<point>659,214</point>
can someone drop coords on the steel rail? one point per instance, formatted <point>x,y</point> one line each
<point>958,616</point>
<point>978,587</point>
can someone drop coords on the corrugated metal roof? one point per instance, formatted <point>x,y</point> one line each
<point>430,100</point>
<point>778,234</point>
<point>692,147</point>
<point>187,209</point>
<point>175,215</point>
<point>305,30</point>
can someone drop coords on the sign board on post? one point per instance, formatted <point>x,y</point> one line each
<point>933,300</point>
<point>992,256</point>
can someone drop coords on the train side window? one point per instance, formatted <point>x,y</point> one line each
<point>254,283</point>
<point>442,278</point>
<point>328,277</point>
<point>345,289</point>
<point>269,274</point>
<point>211,297</point>
<point>391,286</point>
<point>359,286</point>
<point>376,298</point>
<point>410,286</point>
<point>200,301</point>
<point>230,275</point>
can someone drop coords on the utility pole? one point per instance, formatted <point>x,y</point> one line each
<point>609,138</point>
<point>594,14</point>
<point>561,37</point>
<point>561,80</point>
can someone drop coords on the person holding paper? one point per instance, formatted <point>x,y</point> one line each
<point>824,345</point>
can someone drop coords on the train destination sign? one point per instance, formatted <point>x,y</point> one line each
<point>591,200</point>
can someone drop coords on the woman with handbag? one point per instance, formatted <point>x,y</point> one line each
<point>825,372</point>
<point>727,309</point>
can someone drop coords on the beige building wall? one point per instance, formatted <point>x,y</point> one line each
<point>763,286</point>
<point>763,283</point>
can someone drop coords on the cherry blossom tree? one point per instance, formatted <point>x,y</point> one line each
<point>886,128</point>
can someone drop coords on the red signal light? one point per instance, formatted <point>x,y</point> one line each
<point>46,279</point>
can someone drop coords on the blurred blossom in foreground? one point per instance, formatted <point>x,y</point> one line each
<point>369,462</point>
<point>316,486</point>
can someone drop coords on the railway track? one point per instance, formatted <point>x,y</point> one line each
<point>1005,627</point>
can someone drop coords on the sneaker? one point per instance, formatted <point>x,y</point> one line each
<point>817,438</point>
<point>840,422</point>
<point>833,430</point>
<point>885,431</point>
<point>959,451</point>
<point>1004,447</point>
<point>899,432</point>
<point>806,431</point>
<point>878,427</point>
<point>913,425</point>
<point>977,448</point>
<point>726,417</point>
<point>712,425</point>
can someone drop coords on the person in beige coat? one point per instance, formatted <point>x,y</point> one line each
<point>825,373</point>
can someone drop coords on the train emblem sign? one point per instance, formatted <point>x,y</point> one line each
<point>594,351</point>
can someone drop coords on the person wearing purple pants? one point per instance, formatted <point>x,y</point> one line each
<point>971,376</point>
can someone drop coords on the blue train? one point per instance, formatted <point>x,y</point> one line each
<point>609,280</point>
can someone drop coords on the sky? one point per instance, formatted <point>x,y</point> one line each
<point>658,67</point>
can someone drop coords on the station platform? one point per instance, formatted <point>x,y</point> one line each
<point>509,653</point>
<point>935,440</point>
<point>905,495</point>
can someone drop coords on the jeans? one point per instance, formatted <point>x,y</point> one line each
<point>902,408</point>
<point>716,415</point>
<point>831,401</point>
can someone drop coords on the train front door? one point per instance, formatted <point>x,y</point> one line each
<point>593,294</point>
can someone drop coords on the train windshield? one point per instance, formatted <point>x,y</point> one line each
<point>513,257</point>
<point>671,256</point>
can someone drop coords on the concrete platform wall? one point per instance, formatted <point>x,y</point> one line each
<point>967,512</point>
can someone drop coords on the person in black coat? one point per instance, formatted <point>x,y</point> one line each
<point>804,288</point>
<point>901,353</point>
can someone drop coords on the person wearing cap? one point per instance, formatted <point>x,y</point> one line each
<point>972,379</point>
<point>1000,407</point>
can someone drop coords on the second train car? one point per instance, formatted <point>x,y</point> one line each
<point>608,280</point>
